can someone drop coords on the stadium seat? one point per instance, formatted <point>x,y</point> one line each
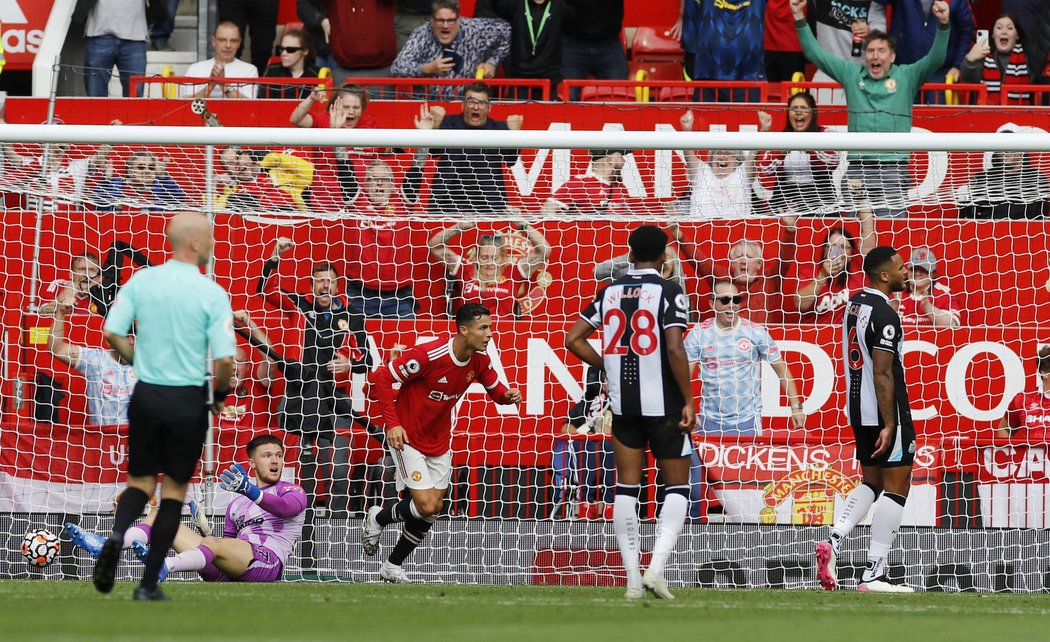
<point>656,70</point>
<point>651,45</point>
<point>607,94</point>
<point>676,94</point>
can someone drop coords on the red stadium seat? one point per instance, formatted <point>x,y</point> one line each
<point>651,45</point>
<point>607,94</point>
<point>656,70</point>
<point>676,95</point>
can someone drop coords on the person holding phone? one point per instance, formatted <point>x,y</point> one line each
<point>999,61</point>
<point>452,47</point>
<point>825,288</point>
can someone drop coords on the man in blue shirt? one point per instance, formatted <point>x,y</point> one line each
<point>181,316</point>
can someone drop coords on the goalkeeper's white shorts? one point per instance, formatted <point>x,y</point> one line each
<point>419,472</point>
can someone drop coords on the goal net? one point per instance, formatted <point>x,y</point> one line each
<point>404,225</point>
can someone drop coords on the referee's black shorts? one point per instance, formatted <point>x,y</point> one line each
<point>166,430</point>
<point>662,434</point>
<point>900,453</point>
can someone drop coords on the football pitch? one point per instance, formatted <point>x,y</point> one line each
<point>60,610</point>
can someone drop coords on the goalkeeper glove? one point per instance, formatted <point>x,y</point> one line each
<point>235,480</point>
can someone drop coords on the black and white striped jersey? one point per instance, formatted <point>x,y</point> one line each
<point>633,314</point>
<point>872,324</point>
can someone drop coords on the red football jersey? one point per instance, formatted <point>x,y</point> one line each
<point>1029,415</point>
<point>911,311</point>
<point>499,297</point>
<point>381,245</point>
<point>249,409</point>
<point>832,299</point>
<point>586,194</point>
<point>432,381</point>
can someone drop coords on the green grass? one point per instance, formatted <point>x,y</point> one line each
<point>425,613</point>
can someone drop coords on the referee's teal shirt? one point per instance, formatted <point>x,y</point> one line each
<point>180,315</point>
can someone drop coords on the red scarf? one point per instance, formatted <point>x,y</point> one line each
<point>1016,73</point>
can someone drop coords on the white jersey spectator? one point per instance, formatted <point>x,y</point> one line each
<point>730,351</point>
<point>109,386</point>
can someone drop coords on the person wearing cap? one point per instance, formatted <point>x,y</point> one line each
<point>927,301</point>
<point>722,183</point>
<point>591,192</point>
<point>1011,187</point>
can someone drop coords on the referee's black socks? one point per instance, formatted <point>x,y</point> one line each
<point>129,507</point>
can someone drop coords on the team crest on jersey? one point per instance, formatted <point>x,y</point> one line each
<point>743,345</point>
<point>891,85</point>
<point>470,376</point>
<point>416,475</point>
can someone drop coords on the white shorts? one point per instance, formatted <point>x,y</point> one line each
<point>419,472</point>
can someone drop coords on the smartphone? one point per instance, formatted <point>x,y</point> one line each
<point>982,36</point>
<point>457,59</point>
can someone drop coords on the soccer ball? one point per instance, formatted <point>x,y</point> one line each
<point>40,547</point>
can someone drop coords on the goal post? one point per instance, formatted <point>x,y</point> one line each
<point>409,222</point>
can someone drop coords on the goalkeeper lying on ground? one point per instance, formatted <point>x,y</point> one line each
<point>261,526</point>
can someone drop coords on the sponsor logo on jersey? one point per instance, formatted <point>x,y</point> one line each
<point>437,395</point>
<point>442,380</point>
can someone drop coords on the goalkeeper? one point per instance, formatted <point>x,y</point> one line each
<point>262,525</point>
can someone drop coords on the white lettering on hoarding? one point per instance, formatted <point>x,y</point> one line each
<point>918,345</point>
<point>957,379</point>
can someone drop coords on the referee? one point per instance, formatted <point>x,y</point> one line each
<point>180,316</point>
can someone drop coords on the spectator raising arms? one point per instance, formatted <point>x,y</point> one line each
<point>91,288</point>
<point>722,183</point>
<point>452,47</point>
<point>825,288</point>
<point>110,379</point>
<point>1026,415</point>
<point>346,110</point>
<point>879,97</point>
<point>297,61</point>
<point>225,41</point>
<point>999,63</point>
<point>470,180</point>
<point>800,181</point>
<point>484,280</point>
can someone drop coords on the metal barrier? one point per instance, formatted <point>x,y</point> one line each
<point>171,84</point>
<point>964,93</point>
<point>642,90</point>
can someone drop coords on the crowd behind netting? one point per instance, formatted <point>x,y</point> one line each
<point>882,66</point>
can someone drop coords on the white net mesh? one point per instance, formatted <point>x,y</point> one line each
<point>413,231</point>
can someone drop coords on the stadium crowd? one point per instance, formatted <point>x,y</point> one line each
<point>375,193</point>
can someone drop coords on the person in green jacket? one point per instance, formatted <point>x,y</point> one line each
<point>879,98</point>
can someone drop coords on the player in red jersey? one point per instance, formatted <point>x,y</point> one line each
<point>433,377</point>
<point>1028,415</point>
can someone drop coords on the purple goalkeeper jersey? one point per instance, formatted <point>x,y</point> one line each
<point>275,522</point>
